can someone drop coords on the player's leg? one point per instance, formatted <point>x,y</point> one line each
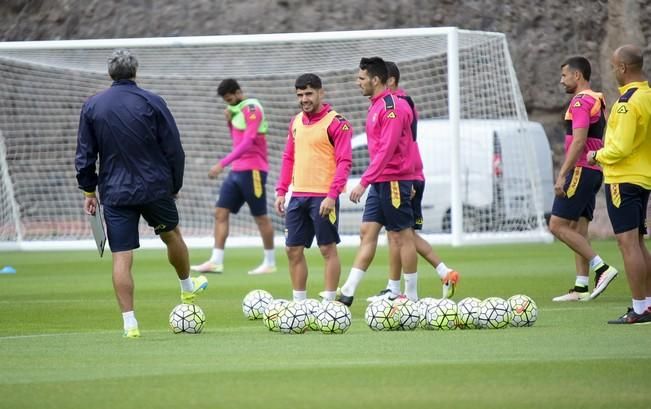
<point>449,277</point>
<point>626,205</point>
<point>372,221</point>
<point>399,215</point>
<point>300,234</point>
<point>326,230</point>
<point>647,259</point>
<point>255,196</point>
<point>163,216</point>
<point>122,232</point>
<point>230,201</point>
<point>565,225</point>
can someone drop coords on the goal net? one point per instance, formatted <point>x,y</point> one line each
<point>483,167</point>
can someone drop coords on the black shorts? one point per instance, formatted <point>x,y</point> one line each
<point>389,204</point>
<point>581,187</point>
<point>122,222</point>
<point>627,204</point>
<point>417,204</point>
<point>244,187</point>
<point>303,222</point>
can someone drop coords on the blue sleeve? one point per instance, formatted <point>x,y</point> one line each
<point>169,140</point>
<point>86,155</point>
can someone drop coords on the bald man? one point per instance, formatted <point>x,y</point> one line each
<point>626,162</point>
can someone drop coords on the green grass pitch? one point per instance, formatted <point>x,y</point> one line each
<point>61,343</point>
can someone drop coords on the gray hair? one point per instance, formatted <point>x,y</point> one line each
<point>122,65</point>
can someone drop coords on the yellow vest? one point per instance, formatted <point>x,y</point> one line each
<point>626,155</point>
<point>314,155</point>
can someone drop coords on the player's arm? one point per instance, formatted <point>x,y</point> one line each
<point>169,140</point>
<point>340,133</point>
<point>621,145</point>
<point>86,156</point>
<point>253,118</point>
<point>580,110</point>
<point>286,171</point>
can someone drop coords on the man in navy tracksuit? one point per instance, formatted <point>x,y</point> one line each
<point>141,163</point>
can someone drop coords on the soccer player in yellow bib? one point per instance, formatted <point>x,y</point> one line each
<point>626,162</point>
<point>317,160</point>
<point>246,181</point>
<point>578,182</point>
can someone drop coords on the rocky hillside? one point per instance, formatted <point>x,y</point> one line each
<point>540,34</point>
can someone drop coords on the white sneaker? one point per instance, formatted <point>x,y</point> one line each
<point>385,294</point>
<point>208,267</point>
<point>262,269</point>
<point>573,295</point>
<point>602,281</point>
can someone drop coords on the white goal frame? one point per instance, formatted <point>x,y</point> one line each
<point>456,237</point>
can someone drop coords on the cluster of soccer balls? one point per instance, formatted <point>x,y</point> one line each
<point>434,314</point>
<point>296,317</point>
<point>187,318</point>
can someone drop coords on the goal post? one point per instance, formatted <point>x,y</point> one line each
<point>483,170</point>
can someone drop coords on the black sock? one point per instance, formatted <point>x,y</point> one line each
<point>580,289</point>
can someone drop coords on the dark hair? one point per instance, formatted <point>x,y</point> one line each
<point>376,67</point>
<point>308,80</point>
<point>580,64</point>
<point>393,71</point>
<point>122,65</point>
<point>228,86</point>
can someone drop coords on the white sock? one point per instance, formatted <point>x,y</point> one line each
<point>299,295</point>
<point>442,270</point>
<point>187,285</point>
<point>269,258</point>
<point>595,262</point>
<point>639,306</point>
<point>217,256</point>
<point>354,277</point>
<point>329,295</point>
<point>394,286</point>
<point>129,320</point>
<point>582,281</point>
<point>648,303</point>
<point>411,285</point>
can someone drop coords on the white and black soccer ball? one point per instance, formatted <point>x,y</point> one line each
<point>270,314</point>
<point>468,310</point>
<point>524,311</point>
<point>187,318</point>
<point>494,313</point>
<point>293,318</point>
<point>442,315</point>
<point>381,315</point>
<point>421,308</point>
<point>255,302</point>
<point>406,314</point>
<point>313,308</point>
<point>333,318</point>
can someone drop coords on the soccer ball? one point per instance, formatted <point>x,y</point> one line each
<point>468,313</point>
<point>494,313</point>
<point>524,311</point>
<point>313,308</point>
<point>255,302</point>
<point>421,307</point>
<point>187,318</point>
<point>334,318</point>
<point>442,315</point>
<point>270,314</point>
<point>406,314</point>
<point>381,315</point>
<point>293,318</point>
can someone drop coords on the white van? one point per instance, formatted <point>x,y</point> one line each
<point>495,175</point>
